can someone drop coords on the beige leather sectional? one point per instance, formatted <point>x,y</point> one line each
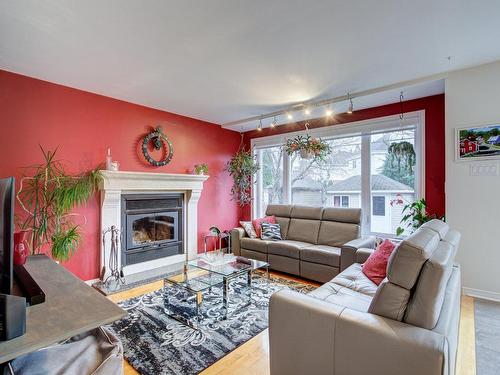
<point>406,325</point>
<point>317,242</point>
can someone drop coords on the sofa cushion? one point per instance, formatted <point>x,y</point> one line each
<point>427,300</point>
<point>255,244</point>
<point>390,301</point>
<point>321,254</point>
<point>407,259</point>
<point>343,215</point>
<point>286,248</point>
<point>353,278</point>
<point>307,212</point>
<point>438,226</point>
<point>303,230</point>
<point>282,210</point>
<point>340,295</point>
<point>336,234</point>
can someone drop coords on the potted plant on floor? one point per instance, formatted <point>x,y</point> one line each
<point>47,198</point>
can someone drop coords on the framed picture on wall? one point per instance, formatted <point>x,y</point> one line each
<point>478,142</point>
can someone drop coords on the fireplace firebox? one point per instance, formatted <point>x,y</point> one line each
<point>151,226</point>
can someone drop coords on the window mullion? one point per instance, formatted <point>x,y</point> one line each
<point>365,183</point>
<point>287,173</point>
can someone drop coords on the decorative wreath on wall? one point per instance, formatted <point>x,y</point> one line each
<point>159,140</point>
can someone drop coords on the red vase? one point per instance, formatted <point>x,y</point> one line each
<point>20,247</point>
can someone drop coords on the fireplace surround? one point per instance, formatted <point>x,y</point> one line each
<point>151,226</point>
<point>116,189</point>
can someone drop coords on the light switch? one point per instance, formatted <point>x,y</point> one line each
<point>484,170</point>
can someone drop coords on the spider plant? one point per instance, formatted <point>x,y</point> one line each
<point>47,199</point>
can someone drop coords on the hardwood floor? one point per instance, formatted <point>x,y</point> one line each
<point>252,358</point>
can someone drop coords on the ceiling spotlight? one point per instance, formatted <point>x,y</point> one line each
<point>260,125</point>
<point>328,112</point>
<point>274,122</point>
<point>307,111</point>
<point>351,106</point>
<point>289,116</point>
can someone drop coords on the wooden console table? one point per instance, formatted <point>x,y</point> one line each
<point>71,307</point>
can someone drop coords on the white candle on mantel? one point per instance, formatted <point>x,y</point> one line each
<point>109,160</point>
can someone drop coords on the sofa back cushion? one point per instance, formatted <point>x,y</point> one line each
<point>390,301</point>
<point>303,230</point>
<point>438,226</point>
<point>339,226</point>
<point>403,270</point>
<point>427,300</point>
<point>407,260</point>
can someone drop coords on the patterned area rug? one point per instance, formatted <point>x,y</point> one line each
<point>155,343</point>
<point>487,323</point>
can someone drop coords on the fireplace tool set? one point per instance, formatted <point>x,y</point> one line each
<point>116,273</point>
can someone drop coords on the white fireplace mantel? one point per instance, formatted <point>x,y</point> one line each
<point>116,183</point>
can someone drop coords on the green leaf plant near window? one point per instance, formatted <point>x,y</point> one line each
<point>414,215</point>
<point>242,167</point>
<point>308,147</point>
<point>48,198</point>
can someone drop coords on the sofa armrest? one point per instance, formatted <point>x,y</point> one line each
<point>301,334</point>
<point>310,336</point>
<point>363,254</point>
<point>387,347</point>
<point>236,235</point>
<point>348,250</point>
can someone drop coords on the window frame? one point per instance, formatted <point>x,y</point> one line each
<point>364,129</point>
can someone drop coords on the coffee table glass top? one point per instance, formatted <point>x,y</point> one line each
<point>226,264</point>
<point>195,279</point>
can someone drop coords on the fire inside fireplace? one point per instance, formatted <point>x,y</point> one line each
<point>152,226</point>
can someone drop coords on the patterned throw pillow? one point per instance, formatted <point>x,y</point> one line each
<point>248,226</point>
<point>271,232</point>
<point>256,223</point>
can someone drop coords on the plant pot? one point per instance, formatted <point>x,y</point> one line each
<point>304,154</point>
<point>21,250</point>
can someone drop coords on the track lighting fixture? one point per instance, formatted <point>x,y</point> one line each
<point>307,111</point>
<point>328,112</point>
<point>260,125</point>
<point>351,106</point>
<point>289,116</point>
<point>274,122</point>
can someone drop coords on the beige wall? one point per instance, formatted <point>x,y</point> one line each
<point>473,202</point>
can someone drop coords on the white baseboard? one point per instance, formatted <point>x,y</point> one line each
<point>484,294</point>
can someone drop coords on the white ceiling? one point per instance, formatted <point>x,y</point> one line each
<point>225,60</point>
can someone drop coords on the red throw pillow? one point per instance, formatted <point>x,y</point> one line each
<point>375,267</point>
<point>267,219</point>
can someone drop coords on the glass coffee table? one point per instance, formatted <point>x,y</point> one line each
<point>211,270</point>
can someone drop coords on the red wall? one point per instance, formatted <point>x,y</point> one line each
<point>434,140</point>
<point>84,125</point>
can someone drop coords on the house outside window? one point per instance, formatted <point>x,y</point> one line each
<point>378,205</point>
<point>341,201</point>
<point>360,172</point>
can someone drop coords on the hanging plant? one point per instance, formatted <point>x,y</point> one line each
<point>402,152</point>
<point>242,167</point>
<point>47,198</point>
<point>308,147</point>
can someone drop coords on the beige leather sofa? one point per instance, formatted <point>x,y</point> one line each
<point>317,242</point>
<point>406,325</point>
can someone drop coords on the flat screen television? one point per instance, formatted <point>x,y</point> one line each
<point>6,233</point>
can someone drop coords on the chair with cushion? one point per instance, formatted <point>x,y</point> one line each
<point>317,243</point>
<point>406,325</point>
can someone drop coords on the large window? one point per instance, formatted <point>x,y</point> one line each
<point>371,167</point>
